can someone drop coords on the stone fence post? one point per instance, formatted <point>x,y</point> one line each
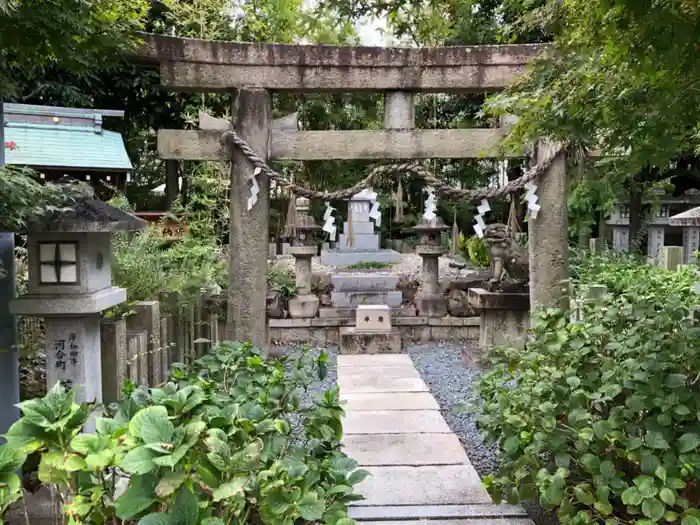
<point>146,319</point>
<point>114,359</point>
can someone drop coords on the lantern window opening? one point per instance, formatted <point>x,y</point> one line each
<point>58,263</point>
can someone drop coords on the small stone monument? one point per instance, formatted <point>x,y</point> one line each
<point>70,284</point>
<point>358,242</point>
<point>305,304</point>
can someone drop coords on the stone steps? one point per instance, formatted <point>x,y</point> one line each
<point>420,471</point>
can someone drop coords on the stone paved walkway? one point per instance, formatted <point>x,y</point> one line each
<point>394,429</point>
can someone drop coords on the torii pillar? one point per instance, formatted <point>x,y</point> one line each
<point>247,290</point>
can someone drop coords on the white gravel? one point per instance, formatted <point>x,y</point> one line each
<point>411,265</point>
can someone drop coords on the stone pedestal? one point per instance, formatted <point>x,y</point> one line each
<point>504,317</point>
<point>429,300</point>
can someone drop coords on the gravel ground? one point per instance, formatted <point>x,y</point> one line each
<point>411,265</point>
<point>452,381</point>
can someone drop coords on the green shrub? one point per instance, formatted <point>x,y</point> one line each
<point>226,441</point>
<point>282,280</point>
<point>474,249</point>
<point>369,265</point>
<point>146,265</point>
<point>600,419</point>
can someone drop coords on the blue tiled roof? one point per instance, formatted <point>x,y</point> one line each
<point>61,146</point>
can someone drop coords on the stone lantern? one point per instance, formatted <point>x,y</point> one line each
<point>303,249</point>
<point>70,284</point>
<point>429,301</point>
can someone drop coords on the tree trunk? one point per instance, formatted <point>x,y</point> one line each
<point>635,207</point>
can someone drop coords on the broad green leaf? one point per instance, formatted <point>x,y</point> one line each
<point>604,507</point>
<point>156,518</point>
<point>138,461</point>
<point>73,463</point>
<point>653,509</point>
<point>656,440</point>
<point>667,496</point>
<point>511,444</point>
<point>631,496</point>
<point>169,483</point>
<point>602,428</point>
<point>311,507</point>
<point>688,442</point>
<point>675,380</point>
<point>688,519</point>
<point>358,476</point>
<point>650,463</point>
<point>101,460</point>
<point>137,498</point>
<point>156,426</point>
<point>584,495</point>
<point>607,469</point>
<point>86,443</point>
<point>230,488</point>
<point>11,459</point>
<point>186,508</point>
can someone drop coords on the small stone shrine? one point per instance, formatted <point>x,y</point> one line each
<point>359,242</point>
<point>70,284</point>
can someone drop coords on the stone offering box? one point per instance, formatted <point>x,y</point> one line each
<point>504,317</point>
<point>70,284</point>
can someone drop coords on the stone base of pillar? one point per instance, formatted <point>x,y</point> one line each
<point>431,304</point>
<point>304,307</point>
<point>504,317</point>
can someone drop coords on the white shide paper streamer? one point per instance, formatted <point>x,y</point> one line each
<point>329,222</point>
<point>480,225</point>
<point>430,205</point>
<point>374,212</point>
<point>254,189</point>
<point>531,197</point>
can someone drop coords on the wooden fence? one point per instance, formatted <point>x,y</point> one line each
<point>140,346</point>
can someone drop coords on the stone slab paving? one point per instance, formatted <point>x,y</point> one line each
<point>395,422</point>
<point>374,360</point>
<point>370,383</point>
<point>464,521</point>
<point>424,485</point>
<point>394,428</point>
<point>389,401</point>
<point>405,449</point>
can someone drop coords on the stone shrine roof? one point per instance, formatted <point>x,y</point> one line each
<point>689,217</point>
<point>88,215</point>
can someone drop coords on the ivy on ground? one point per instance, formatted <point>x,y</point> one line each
<point>227,439</point>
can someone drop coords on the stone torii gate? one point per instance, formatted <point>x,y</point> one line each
<point>253,71</point>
